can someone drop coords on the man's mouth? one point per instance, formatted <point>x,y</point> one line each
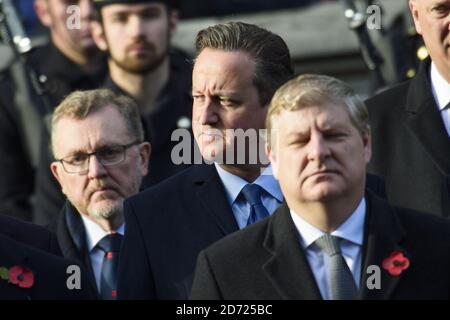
<point>322,173</point>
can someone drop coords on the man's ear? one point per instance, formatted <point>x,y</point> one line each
<point>367,142</point>
<point>271,155</point>
<point>415,14</point>
<point>145,150</point>
<point>174,16</point>
<point>42,9</point>
<point>98,34</point>
<point>56,168</point>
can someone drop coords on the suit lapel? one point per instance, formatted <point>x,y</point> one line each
<point>72,240</point>
<point>211,193</point>
<point>383,235</point>
<point>288,269</point>
<point>424,121</point>
<point>12,256</point>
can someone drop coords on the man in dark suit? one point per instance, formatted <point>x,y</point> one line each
<point>101,157</point>
<point>331,239</point>
<point>29,234</point>
<point>38,275</point>
<point>237,69</point>
<point>411,122</point>
<point>168,225</point>
<point>144,67</point>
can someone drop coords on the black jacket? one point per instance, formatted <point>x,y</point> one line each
<point>168,225</point>
<point>410,146</point>
<point>29,234</point>
<point>266,261</point>
<point>71,236</point>
<point>50,274</point>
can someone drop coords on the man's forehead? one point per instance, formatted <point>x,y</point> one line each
<point>219,69</point>
<point>326,116</point>
<point>102,126</point>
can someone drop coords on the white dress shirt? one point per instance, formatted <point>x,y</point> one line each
<point>441,93</point>
<point>94,233</point>
<point>351,232</point>
<point>271,198</point>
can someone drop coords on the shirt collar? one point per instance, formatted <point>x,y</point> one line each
<point>441,88</point>
<point>234,184</point>
<point>94,233</point>
<point>351,230</point>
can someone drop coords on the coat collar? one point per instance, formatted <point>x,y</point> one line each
<point>423,119</point>
<point>72,239</point>
<point>382,236</point>
<point>288,268</point>
<point>211,194</point>
<point>11,255</point>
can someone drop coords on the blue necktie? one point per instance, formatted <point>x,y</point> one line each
<point>252,193</point>
<point>110,245</point>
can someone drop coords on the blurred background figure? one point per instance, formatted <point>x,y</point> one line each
<point>69,60</point>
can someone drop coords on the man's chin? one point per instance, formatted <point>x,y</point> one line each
<point>323,193</point>
<point>211,153</point>
<point>106,209</point>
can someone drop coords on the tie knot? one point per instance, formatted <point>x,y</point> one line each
<point>252,193</point>
<point>110,242</point>
<point>329,244</point>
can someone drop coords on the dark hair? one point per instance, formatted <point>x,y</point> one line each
<point>268,50</point>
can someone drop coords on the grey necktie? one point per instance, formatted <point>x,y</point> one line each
<point>340,279</point>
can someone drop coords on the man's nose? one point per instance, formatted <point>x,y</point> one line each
<point>135,26</point>
<point>95,168</point>
<point>318,149</point>
<point>208,113</point>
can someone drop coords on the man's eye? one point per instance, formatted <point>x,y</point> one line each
<point>228,103</point>
<point>441,10</point>
<point>121,18</point>
<point>198,98</point>
<point>110,153</point>
<point>335,135</point>
<point>76,159</point>
<point>298,142</point>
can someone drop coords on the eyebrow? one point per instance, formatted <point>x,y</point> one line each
<point>98,146</point>
<point>138,11</point>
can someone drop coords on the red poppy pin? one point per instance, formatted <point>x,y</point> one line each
<point>396,263</point>
<point>18,275</point>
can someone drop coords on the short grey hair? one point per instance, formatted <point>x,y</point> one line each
<point>79,104</point>
<point>268,51</point>
<point>312,89</point>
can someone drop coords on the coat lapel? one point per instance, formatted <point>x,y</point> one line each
<point>424,121</point>
<point>383,235</point>
<point>72,240</point>
<point>288,269</point>
<point>211,193</point>
<point>10,256</point>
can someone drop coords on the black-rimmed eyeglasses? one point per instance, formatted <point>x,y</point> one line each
<point>108,156</point>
